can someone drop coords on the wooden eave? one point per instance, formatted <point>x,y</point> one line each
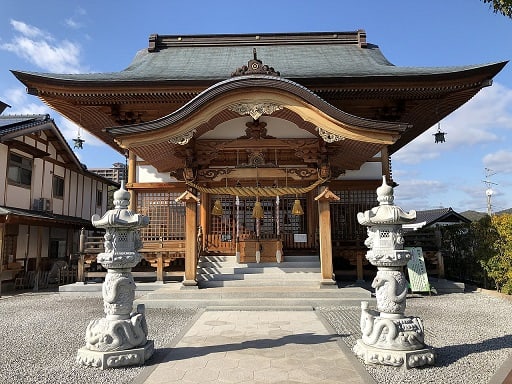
<point>90,103</point>
<point>153,141</point>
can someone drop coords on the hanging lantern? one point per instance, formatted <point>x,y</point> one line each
<point>439,136</point>
<point>257,211</point>
<point>297,208</point>
<point>79,143</point>
<point>217,208</point>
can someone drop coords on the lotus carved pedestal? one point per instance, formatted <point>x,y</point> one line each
<point>389,337</point>
<point>120,338</point>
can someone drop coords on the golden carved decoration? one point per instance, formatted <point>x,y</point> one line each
<point>329,137</point>
<point>255,110</point>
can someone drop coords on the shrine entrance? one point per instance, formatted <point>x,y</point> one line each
<point>278,222</point>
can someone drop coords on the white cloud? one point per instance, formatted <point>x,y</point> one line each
<point>500,161</point>
<point>484,119</point>
<point>29,30</point>
<point>416,194</point>
<point>72,23</point>
<point>15,96</point>
<point>41,49</point>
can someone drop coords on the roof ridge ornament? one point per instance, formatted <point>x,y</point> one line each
<point>255,67</point>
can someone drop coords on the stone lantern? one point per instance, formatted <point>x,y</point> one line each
<point>120,338</point>
<point>389,337</point>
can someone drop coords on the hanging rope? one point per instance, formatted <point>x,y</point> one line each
<point>257,191</point>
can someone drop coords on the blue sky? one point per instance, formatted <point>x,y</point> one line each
<point>102,36</point>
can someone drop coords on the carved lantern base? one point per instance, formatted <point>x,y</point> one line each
<point>407,359</point>
<point>115,359</point>
<point>392,339</point>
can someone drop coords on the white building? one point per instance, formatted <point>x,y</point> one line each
<point>46,196</point>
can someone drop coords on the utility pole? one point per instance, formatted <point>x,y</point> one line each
<point>489,191</point>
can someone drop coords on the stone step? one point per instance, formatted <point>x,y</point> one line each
<point>284,265</point>
<point>174,296</point>
<point>274,271</point>
<point>176,291</point>
<point>232,259</point>
<point>223,271</point>
<point>248,302</point>
<point>257,283</point>
<point>312,276</point>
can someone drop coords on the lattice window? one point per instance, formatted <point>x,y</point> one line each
<point>166,216</point>
<point>226,223</point>
<point>344,225</point>
<point>292,223</point>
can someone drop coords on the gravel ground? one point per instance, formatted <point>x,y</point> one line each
<point>470,332</point>
<point>41,333</point>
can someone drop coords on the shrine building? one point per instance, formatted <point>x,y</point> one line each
<point>270,144</point>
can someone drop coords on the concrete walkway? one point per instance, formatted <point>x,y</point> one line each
<point>257,346</point>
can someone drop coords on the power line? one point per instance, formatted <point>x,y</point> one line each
<point>489,191</point>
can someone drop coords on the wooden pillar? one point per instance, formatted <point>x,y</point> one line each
<point>2,256</point>
<point>359,266</point>
<point>159,267</point>
<point>324,213</point>
<point>132,178</point>
<point>2,230</point>
<point>81,261</point>
<point>203,217</point>
<point>190,201</point>
<point>312,221</point>
<point>38,258</point>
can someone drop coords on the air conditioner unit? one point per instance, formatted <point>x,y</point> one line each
<point>42,204</point>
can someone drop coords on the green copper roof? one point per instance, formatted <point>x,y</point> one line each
<point>295,56</point>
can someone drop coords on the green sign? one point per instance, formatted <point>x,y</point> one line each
<point>418,278</point>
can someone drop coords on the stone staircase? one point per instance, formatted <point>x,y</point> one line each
<point>222,282</point>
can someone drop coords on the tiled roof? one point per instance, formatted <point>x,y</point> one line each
<point>216,57</point>
<point>433,216</point>
<point>3,106</point>
<point>49,217</point>
<point>14,123</point>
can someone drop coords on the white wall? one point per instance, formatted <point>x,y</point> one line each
<point>148,174</point>
<point>3,175</point>
<point>369,171</point>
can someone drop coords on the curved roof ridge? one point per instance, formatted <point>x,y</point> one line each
<point>249,81</point>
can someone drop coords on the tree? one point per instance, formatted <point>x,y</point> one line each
<point>501,6</point>
<point>499,266</point>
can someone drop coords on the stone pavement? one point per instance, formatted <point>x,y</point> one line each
<point>257,346</point>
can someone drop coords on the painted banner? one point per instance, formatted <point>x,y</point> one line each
<point>418,278</point>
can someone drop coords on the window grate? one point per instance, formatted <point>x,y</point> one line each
<point>166,216</point>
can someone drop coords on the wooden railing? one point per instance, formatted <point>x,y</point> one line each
<point>157,254</point>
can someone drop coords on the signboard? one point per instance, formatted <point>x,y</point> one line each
<point>300,237</point>
<point>418,278</point>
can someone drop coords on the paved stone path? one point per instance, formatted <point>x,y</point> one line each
<point>256,346</point>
